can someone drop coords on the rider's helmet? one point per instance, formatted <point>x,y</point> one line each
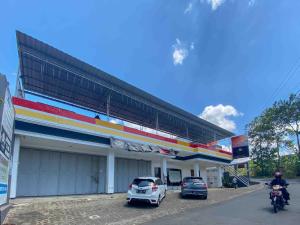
<point>278,174</point>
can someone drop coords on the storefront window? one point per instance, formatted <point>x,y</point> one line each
<point>192,173</point>
<point>157,172</point>
<point>174,177</point>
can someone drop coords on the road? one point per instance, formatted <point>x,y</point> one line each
<point>251,209</point>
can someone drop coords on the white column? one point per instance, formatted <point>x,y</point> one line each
<point>110,172</point>
<point>14,169</point>
<point>204,174</point>
<point>220,176</point>
<point>164,166</point>
<point>196,169</point>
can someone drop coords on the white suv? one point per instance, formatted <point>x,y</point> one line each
<point>147,189</point>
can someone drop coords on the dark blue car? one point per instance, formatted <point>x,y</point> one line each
<point>193,186</point>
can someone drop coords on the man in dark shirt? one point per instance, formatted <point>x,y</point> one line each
<point>282,182</point>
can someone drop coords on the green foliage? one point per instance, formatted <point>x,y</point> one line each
<point>226,180</point>
<point>272,133</point>
<point>289,165</point>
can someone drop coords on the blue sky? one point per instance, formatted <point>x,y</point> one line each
<point>223,59</point>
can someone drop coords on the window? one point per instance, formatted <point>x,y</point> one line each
<point>143,182</point>
<point>193,180</point>
<point>157,172</point>
<point>192,173</point>
<point>159,182</point>
<point>174,177</point>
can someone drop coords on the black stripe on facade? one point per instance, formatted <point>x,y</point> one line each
<point>30,127</point>
<point>200,156</point>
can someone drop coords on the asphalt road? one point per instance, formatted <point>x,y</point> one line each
<point>251,209</point>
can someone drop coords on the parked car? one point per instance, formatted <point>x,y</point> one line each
<point>193,186</point>
<point>147,189</point>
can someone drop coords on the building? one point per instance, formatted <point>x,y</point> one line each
<point>61,152</point>
<point>6,142</point>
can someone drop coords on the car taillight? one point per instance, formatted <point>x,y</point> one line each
<point>154,188</point>
<point>130,186</point>
<point>205,185</point>
<point>184,184</point>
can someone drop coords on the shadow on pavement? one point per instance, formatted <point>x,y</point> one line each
<point>191,197</point>
<point>140,205</point>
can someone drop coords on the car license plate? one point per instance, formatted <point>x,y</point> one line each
<point>141,191</point>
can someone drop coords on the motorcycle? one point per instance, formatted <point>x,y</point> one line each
<point>276,197</point>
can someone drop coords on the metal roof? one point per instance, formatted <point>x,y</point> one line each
<point>49,72</point>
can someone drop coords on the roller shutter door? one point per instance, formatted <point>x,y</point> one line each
<point>128,169</point>
<point>43,173</point>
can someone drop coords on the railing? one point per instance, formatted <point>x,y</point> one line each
<point>238,175</point>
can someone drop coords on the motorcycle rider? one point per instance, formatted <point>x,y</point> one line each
<point>282,182</point>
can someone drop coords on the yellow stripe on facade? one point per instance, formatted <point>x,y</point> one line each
<point>107,124</point>
<point>183,143</point>
<point>116,130</point>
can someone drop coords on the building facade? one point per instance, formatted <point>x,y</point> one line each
<point>61,152</point>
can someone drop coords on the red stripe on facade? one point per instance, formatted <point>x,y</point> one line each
<point>72,115</point>
<point>51,109</point>
<point>143,133</point>
<point>198,145</point>
<point>225,152</point>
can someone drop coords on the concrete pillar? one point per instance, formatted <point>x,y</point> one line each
<point>14,169</point>
<point>164,166</point>
<point>204,174</point>
<point>196,169</point>
<point>220,176</point>
<point>110,172</point>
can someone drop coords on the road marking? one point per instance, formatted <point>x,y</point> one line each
<point>94,217</point>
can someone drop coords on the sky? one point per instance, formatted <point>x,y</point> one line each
<point>222,60</point>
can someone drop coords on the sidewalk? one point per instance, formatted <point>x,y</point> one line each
<point>107,209</point>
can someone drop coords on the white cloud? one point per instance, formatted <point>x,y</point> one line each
<point>251,3</point>
<point>189,8</point>
<point>215,3</point>
<point>181,51</point>
<point>220,114</point>
<point>192,46</point>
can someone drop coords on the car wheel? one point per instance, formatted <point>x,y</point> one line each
<point>165,194</point>
<point>204,197</point>
<point>158,202</point>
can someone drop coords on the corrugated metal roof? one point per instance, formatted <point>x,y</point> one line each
<point>50,72</point>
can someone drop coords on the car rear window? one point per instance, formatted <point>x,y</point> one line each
<point>143,182</point>
<point>193,180</point>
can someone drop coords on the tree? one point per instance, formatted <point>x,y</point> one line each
<point>288,112</point>
<point>289,116</point>
<point>274,131</point>
<point>261,139</point>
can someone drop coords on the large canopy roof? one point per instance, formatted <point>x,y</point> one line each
<point>49,72</point>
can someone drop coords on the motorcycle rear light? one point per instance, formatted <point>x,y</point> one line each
<point>130,186</point>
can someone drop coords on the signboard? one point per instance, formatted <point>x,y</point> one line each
<point>240,147</point>
<point>6,136</point>
<point>3,179</point>
<point>137,147</point>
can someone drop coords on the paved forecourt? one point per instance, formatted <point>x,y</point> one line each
<point>108,209</point>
